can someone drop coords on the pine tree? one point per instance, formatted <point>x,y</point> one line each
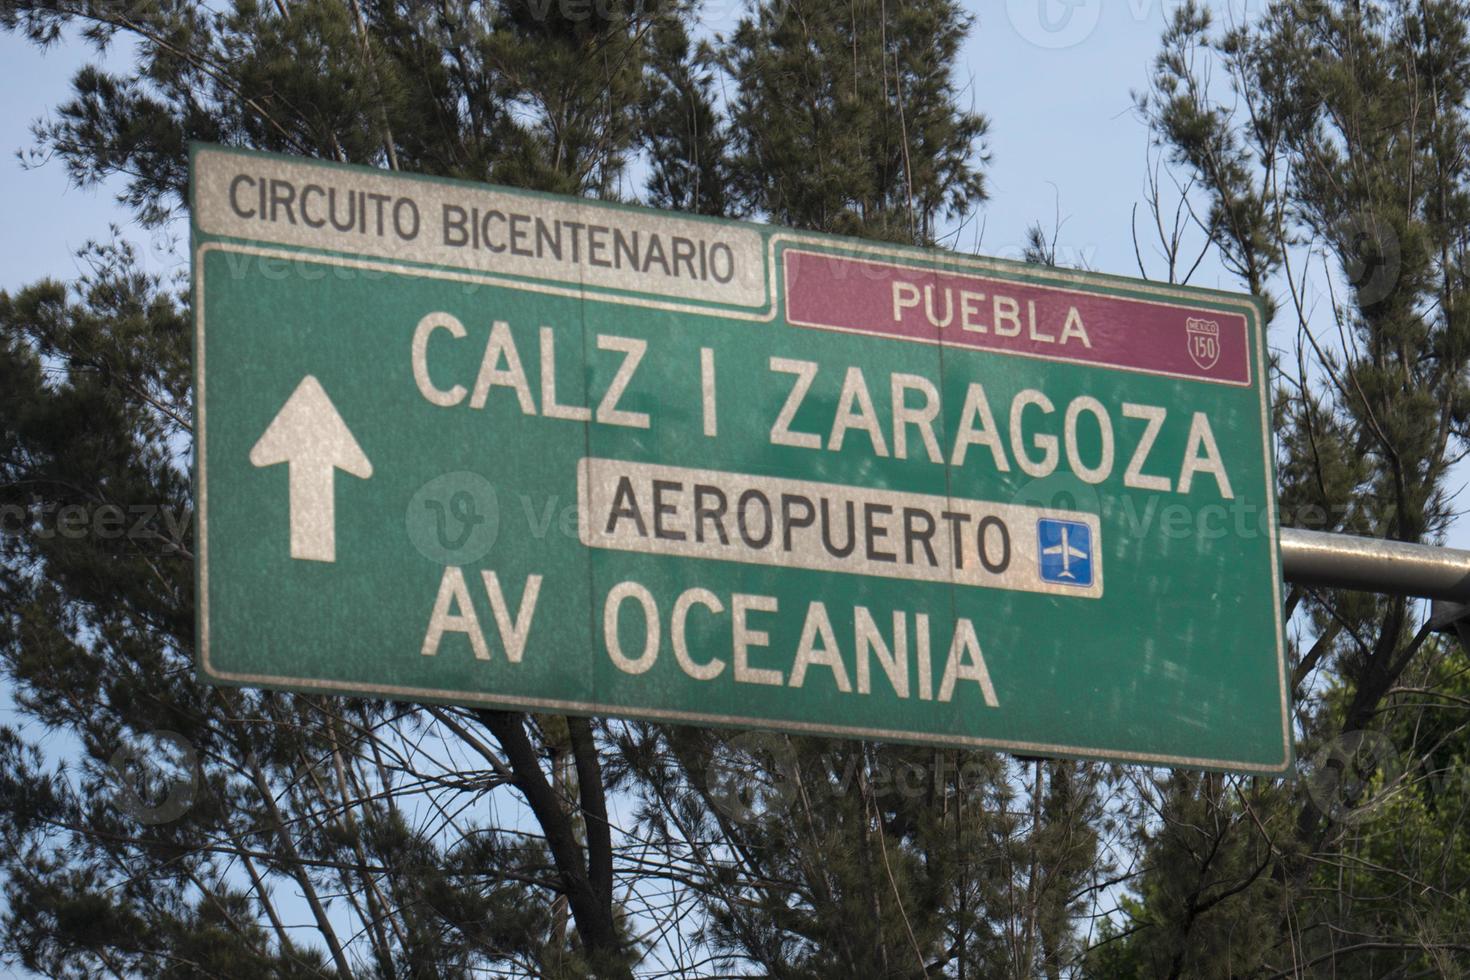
<point>846,117</point>
<point>683,130</point>
<point>1343,131</point>
<point>384,817</point>
<point>820,858</point>
<point>321,796</point>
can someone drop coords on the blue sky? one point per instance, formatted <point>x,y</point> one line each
<point>1055,78</point>
<point>1062,135</point>
<point>1055,81</point>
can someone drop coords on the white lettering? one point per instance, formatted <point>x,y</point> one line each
<point>678,633</point>
<point>427,326</point>
<point>1104,467</point>
<point>965,642</point>
<point>615,598</point>
<point>512,632</point>
<point>978,409</point>
<point>744,638</point>
<point>1006,310</point>
<point>707,391</point>
<point>502,344</point>
<point>869,641</point>
<point>1202,438</point>
<point>923,417</point>
<point>781,434</point>
<point>453,592</point>
<point>905,297</point>
<point>1134,476</point>
<point>1075,328</point>
<point>549,406</point>
<point>855,396</point>
<point>818,626</point>
<point>1046,443</point>
<point>632,349</point>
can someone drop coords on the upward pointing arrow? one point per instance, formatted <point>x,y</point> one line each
<point>310,437</point>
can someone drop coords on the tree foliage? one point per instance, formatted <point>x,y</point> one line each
<point>156,827</point>
<point>845,117</point>
<point>1330,149</point>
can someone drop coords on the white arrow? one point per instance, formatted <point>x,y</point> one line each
<point>309,436</point>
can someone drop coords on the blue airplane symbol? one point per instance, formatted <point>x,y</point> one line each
<point>1068,553</point>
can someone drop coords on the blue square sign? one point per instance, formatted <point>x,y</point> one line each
<point>1064,552</point>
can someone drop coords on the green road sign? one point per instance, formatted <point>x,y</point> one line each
<point>461,443</point>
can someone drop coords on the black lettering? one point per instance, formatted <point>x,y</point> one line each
<point>496,247</point>
<point>45,529</point>
<point>379,200</point>
<point>655,254</point>
<point>986,523</point>
<point>306,219</point>
<point>351,211</point>
<point>283,194</point>
<point>790,520</point>
<point>911,516</point>
<point>955,521</point>
<point>660,509</point>
<point>742,509</point>
<point>871,532</point>
<point>234,186</point>
<point>597,245</point>
<point>398,226</point>
<point>625,246</point>
<point>8,511</point>
<point>576,230</point>
<point>518,234</point>
<point>628,509</point>
<point>832,549</point>
<point>109,520</point>
<point>545,241</point>
<point>684,252</point>
<point>714,514</point>
<point>717,250</point>
<point>454,221</point>
<point>139,530</point>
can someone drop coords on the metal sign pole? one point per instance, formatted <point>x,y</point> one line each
<point>1343,561</point>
